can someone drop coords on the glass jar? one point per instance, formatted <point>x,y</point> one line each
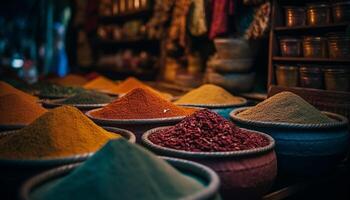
<point>341,11</point>
<point>315,47</point>
<point>290,47</point>
<point>337,79</point>
<point>318,14</point>
<point>311,77</point>
<point>287,75</point>
<point>339,45</point>
<point>294,16</point>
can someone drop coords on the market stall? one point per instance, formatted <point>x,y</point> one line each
<point>200,99</point>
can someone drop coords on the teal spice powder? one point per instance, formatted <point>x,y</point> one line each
<point>121,170</point>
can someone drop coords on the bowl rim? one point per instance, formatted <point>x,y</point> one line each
<point>9,127</point>
<point>213,105</point>
<point>58,102</point>
<point>131,121</point>
<point>341,121</point>
<point>66,159</point>
<point>187,154</point>
<point>201,170</point>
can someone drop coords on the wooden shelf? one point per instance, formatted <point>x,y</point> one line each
<point>327,27</point>
<point>311,60</point>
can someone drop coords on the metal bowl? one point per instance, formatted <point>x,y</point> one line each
<point>190,169</point>
<point>304,149</point>
<point>246,174</point>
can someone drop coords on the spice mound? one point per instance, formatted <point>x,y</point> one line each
<point>63,131</point>
<point>16,110</point>
<point>285,107</point>
<point>102,84</point>
<point>209,94</point>
<point>141,104</point>
<point>71,80</point>
<point>206,131</point>
<point>121,170</point>
<point>53,90</point>
<point>132,83</point>
<point>88,97</point>
<point>8,89</point>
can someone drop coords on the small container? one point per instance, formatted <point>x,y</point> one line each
<point>341,11</point>
<point>337,79</point>
<point>315,47</point>
<point>290,47</point>
<point>295,16</point>
<point>311,77</point>
<point>318,14</point>
<point>339,45</point>
<point>287,75</point>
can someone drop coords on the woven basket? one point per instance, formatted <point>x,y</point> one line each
<point>246,174</point>
<point>304,149</point>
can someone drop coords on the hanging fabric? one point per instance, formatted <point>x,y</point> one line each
<point>197,23</point>
<point>177,30</point>
<point>221,10</point>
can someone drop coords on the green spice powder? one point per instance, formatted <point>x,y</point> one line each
<point>121,170</point>
<point>88,98</point>
<point>285,107</point>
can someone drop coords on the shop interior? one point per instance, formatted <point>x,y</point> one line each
<point>174,99</point>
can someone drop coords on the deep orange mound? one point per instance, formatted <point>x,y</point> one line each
<point>141,104</point>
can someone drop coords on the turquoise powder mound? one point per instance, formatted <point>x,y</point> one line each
<point>121,170</point>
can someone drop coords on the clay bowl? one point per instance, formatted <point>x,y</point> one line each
<point>137,126</point>
<point>304,149</point>
<point>202,174</point>
<point>246,174</point>
<point>14,172</point>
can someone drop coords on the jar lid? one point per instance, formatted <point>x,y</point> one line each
<point>287,67</point>
<point>337,70</point>
<point>313,38</point>
<point>294,8</point>
<point>319,5</point>
<point>289,39</point>
<point>345,3</point>
<point>310,69</point>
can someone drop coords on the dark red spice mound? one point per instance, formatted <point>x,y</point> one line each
<point>206,131</point>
